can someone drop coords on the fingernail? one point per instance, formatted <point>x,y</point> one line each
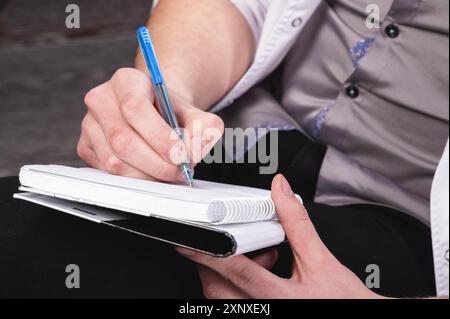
<point>286,187</point>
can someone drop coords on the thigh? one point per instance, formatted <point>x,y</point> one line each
<point>363,235</point>
<point>36,245</point>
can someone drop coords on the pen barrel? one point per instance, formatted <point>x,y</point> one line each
<point>165,108</point>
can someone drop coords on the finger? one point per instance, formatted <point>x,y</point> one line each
<point>215,287</point>
<point>267,260</point>
<point>306,244</point>
<point>106,158</point>
<point>202,129</point>
<point>124,142</point>
<point>85,152</point>
<point>240,271</point>
<point>136,103</point>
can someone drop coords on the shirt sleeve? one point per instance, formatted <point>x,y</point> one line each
<point>254,12</point>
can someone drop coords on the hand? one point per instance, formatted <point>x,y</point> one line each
<point>124,134</point>
<point>316,273</point>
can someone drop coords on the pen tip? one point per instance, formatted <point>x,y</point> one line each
<point>191,184</point>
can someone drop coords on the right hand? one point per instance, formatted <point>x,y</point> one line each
<point>124,134</point>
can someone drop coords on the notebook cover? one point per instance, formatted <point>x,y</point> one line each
<point>197,237</point>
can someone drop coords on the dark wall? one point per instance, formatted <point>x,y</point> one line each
<point>45,70</point>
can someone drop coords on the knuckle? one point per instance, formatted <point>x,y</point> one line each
<point>241,277</point>
<point>130,105</point>
<point>122,73</point>
<point>119,141</point>
<point>115,166</point>
<point>92,97</point>
<point>82,150</point>
<point>211,292</point>
<point>85,124</point>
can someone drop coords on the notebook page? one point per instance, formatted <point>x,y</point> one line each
<point>146,198</point>
<point>203,192</point>
<point>131,201</point>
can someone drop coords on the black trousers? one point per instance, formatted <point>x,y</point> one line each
<point>36,244</point>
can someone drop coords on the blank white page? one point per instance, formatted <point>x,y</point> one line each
<point>132,195</point>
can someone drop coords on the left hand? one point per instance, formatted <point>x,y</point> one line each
<point>316,273</point>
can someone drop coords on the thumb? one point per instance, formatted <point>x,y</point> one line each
<point>306,244</point>
<point>202,130</point>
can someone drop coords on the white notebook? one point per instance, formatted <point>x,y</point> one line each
<point>246,215</point>
<point>207,202</point>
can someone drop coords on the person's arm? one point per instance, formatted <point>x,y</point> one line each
<point>204,47</point>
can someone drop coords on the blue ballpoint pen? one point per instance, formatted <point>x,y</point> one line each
<point>162,96</point>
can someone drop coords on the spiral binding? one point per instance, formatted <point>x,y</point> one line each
<point>241,210</point>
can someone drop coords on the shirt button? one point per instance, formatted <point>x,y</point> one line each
<point>392,31</point>
<point>297,22</point>
<point>352,91</point>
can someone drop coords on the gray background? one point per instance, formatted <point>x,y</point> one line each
<point>45,70</point>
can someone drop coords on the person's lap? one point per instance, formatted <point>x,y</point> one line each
<point>358,235</point>
<point>37,244</point>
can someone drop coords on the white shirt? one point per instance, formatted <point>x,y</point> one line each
<point>276,26</point>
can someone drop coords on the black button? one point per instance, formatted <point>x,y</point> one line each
<point>352,91</point>
<point>392,31</point>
